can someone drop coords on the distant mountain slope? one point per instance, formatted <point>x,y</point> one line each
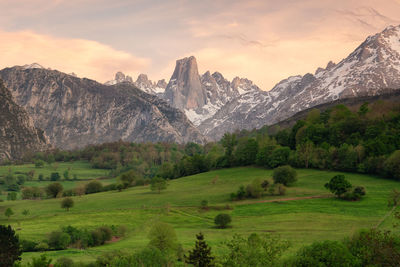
<point>17,132</point>
<point>75,112</point>
<point>372,69</point>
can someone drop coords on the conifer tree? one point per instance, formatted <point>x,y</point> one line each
<point>200,256</point>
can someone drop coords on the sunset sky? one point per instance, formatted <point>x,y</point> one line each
<point>263,40</point>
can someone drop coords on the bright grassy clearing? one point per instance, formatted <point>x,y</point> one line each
<point>82,169</point>
<point>299,221</point>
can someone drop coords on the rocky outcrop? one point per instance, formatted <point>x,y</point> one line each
<point>17,132</point>
<point>76,112</point>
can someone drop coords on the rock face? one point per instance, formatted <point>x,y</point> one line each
<point>17,132</point>
<point>76,112</point>
<point>184,89</point>
<point>372,69</point>
<point>119,78</point>
<point>142,82</point>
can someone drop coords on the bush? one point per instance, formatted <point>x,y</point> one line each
<point>59,240</point>
<point>67,203</point>
<point>163,237</point>
<point>254,189</point>
<point>55,176</point>
<point>285,175</point>
<point>54,190</point>
<point>204,204</point>
<point>28,246</point>
<point>93,187</point>
<point>64,262</point>
<point>41,261</point>
<point>327,253</point>
<point>222,220</point>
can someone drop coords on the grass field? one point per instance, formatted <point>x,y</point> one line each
<point>298,221</point>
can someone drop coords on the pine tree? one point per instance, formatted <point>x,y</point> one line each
<point>9,246</point>
<point>200,256</point>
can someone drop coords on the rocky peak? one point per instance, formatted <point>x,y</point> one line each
<point>32,66</point>
<point>184,89</point>
<point>162,84</point>
<point>119,78</point>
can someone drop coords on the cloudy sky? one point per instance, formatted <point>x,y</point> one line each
<point>263,40</point>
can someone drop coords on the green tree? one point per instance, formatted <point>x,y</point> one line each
<point>285,175</point>
<point>229,142</point>
<point>93,187</point>
<point>325,254</point>
<point>8,213</point>
<point>66,174</point>
<point>392,165</point>
<point>59,240</point>
<point>158,184</point>
<point>67,203</point>
<point>200,256</point>
<point>41,261</point>
<point>222,220</point>
<point>12,196</point>
<point>54,189</point>
<point>10,250</point>
<point>39,163</point>
<point>338,185</point>
<point>163,237</point>
<point>127,179</point>
<point>255,251</point>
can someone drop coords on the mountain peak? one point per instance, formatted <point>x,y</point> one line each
<point>32,66</point>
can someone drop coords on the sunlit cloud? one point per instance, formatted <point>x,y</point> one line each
<point>85,58</point>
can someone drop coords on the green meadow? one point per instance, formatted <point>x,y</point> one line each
<point>293,217</point>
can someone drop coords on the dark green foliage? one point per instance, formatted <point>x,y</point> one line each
<point>325,254</point>
<point>392,165</point>
<point>53,190</point>
<point>149,256</point>
<point>67,203</point>
<point>375,248</point>
<point>93,187</point>
<point>27,245</point>
<point>55,176</point>
<point>59,240</point>
<point>10,251</point>
<point>255,251</point>
<point>31,193</point>
<point>285,175</point>
<point>12,196</point>
<point>222,220</point>
<point>39,163</point>
<point>338,185</point>
<point>200,256</point>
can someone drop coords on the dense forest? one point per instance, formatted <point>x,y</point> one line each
<point>366,140</point>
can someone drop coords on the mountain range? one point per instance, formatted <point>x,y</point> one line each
<point>192,107</point>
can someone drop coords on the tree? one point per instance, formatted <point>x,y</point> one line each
<point>55,176</point>
<point>392,165</point>
<point>325,254</point>
<point>54,189</point>
<point>59,240</point>
<point>163,237</point>
<point>39,163</point>
<point>222,220</point>
<point>158,184</point>
<point>229,142</point>
<point>255,251</point>
<point>10,251</point>
<point>93,187</point>
<point>338,185</point>
<point>8,213</point>
<point>200,256</point>
<point>285,175</point>
<point>127,179</point>
<point>67,203</point>
<point>12,196</point>
<point>66,174</point>
<point>41,261</point>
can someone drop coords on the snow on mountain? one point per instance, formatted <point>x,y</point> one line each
<point>374,67</point>
<point>32,66</point>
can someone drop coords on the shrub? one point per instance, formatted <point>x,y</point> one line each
<point>326,253</point>
<point>55,176</point>
<point>54,190</point>
<point>254,189</point>
<point>67,203</point>
<point>285,175</point>
<point>338,185</point>
<point>41,261</point>
<point>204,204</point>
<point>163,237</point>
<point>28,246</point>
<point>93,187</point>
<point>59,240</point>
<point>222,220</point>
<point>64,262</point>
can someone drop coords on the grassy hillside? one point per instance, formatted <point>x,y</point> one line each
<point>301,221</point>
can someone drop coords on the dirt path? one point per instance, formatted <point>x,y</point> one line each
<point>284,199</point>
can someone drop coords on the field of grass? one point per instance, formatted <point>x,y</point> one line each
<point>300,221</point>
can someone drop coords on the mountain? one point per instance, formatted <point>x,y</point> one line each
<point>142,82</point>
<point>17,132</point>
<point>372,69</point>
<point>76,112</point>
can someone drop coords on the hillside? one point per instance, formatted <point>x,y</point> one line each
<point>17,132</point>
<point>300,221</point>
